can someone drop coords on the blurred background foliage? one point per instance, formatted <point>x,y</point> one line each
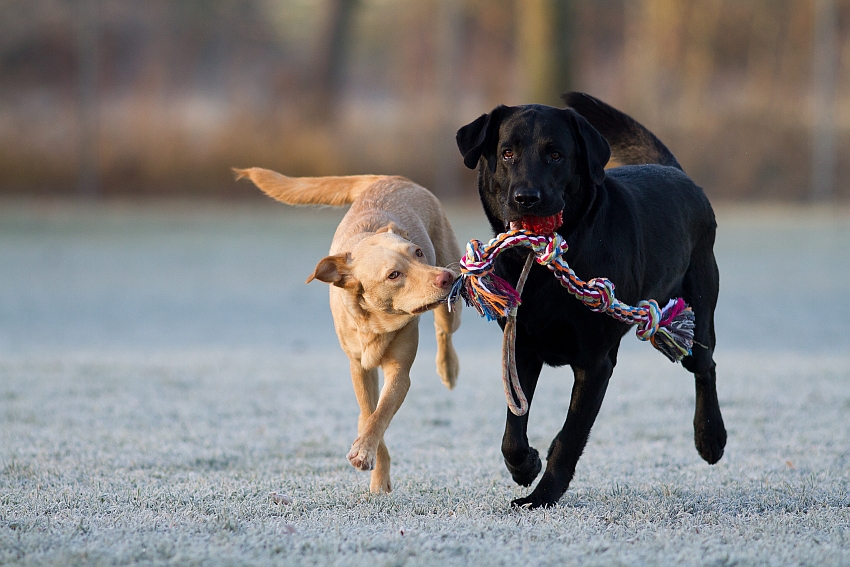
<point>161,97</point>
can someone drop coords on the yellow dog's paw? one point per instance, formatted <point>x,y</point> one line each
<point>362,455</point>
<point>381,485</point>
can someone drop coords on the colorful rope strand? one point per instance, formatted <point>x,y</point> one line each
<point>669,329</point>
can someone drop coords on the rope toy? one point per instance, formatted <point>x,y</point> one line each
<point>669,329</point>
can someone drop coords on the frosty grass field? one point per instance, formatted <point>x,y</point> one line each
<point>163,368</point>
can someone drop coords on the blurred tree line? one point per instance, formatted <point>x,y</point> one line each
<point>120,97</point>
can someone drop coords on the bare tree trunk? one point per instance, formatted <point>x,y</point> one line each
<point>544,41</point>
<point>762,57</point>
<point>329,66</point>
<point>563,49</point>
<point>824,71</point>
<point>446,175</point>
<point>88,184</point>
<point>641,60</point>
<point>702,28</point>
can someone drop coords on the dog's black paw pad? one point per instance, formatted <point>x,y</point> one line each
<point>525,473</point>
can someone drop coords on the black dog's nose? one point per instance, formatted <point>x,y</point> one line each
<point>527,197</point>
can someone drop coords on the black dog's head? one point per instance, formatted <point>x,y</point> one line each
<point>534,161</point>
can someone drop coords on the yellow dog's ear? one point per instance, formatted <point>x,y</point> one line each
<point>395,229</point>
<point>334,270</point>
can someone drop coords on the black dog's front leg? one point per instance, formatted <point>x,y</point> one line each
<point>588,391</point>
<point>522,461</point>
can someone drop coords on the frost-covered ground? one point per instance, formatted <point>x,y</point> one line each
<point>163,368</point>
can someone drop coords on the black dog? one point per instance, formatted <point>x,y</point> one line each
<point>645,226</point>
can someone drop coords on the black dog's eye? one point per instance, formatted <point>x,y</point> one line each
<point>419,253</point>
<point>555,156</point>
<point>508,154</point>
<point>394,275</point>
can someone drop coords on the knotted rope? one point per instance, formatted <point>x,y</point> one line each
<point>669,329</point>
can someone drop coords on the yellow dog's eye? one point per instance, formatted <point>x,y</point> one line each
<point>419,253</point>
<point>394,275</point>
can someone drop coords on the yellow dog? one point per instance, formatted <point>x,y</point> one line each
<point>385,269</point>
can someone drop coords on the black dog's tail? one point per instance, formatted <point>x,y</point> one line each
<point>631,143</point>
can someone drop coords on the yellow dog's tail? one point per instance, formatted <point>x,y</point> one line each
<point>330,191</point>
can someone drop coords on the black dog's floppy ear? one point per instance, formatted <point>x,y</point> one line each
<point>595,148</point>
<point>474,139</point>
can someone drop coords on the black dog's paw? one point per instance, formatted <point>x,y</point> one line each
<point>525,473</point>
<point>531,502</point>
<point>710,440</point>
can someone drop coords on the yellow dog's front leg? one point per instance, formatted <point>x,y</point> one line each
<point>447,322</point>
<point>368,452</point>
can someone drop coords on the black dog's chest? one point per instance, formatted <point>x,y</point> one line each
<point>559,328</point>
